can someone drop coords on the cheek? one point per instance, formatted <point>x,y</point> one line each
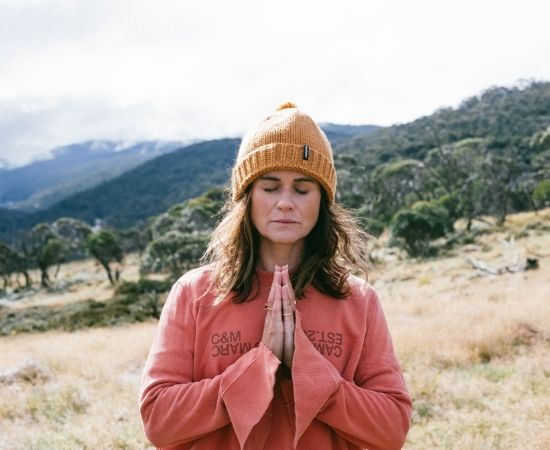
<point>312,211</point>
<point>314,216</point>
<point>257,209</point>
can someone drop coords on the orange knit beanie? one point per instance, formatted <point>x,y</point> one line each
<point>286,140</point>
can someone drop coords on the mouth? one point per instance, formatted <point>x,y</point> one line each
<point>285,221</point>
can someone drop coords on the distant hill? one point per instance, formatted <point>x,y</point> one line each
<point>12,223</point>
<point>504,116</point>
<point>149,189</point>
<point>488,156</point>
<point>336,133</point>
<point>74,168</point>
<point>81,166</point>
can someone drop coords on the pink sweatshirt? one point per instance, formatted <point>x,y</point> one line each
<point>210,384</point>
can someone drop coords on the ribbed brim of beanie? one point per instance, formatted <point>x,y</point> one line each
<point>288,139</point>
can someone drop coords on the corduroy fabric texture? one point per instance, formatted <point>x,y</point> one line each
<point>286,140</point>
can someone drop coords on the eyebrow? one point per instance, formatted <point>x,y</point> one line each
<point>296,180</point>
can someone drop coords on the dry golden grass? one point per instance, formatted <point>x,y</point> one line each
<point>475,349</point>
<point>475,352</point>
<point>86,397</point>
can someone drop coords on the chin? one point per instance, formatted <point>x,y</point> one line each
<point>284,240</point>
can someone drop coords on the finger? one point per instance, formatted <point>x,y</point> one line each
<point>277,306</point>
<point>269,305</point>
<point>268,322</point>
<point>273,328</point>
<point>267,325</point>
<point>284,272</point>
<point>288,323</point>
<point>286,277</point>
<point>278,277</point>
<point>271,297</point>
<point>288,311</point>
<point>286,281</point>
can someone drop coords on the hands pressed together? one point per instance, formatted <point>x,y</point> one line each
<point>278,334</point>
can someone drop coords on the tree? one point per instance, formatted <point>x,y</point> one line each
<point>502,171</point>
<point>20,265</point>
<point>417,226</point>
<point>396,185</point>
<point>541,194</point>
<point>454,170</point>
<point>46,249</point>
<point>175,251</point>
<point>180,236</point>
<point>6,266</point>
<point>51,253</point>
<point>73,233</point>
<point>104,247</point>
<point>196,214</point>
<point>371,225</point>
<point>134,239</point>
<point>540,141</point>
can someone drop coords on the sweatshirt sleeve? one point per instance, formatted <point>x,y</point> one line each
<point>373,410</point>
<point>175,408</point>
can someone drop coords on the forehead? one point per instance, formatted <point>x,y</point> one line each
<point>285,175</point>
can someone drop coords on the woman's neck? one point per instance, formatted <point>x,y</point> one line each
<point>279,254</point>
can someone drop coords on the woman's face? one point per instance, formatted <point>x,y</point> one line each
<point>285,206</point>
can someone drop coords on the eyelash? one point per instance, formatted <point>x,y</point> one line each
<point>297,190</point>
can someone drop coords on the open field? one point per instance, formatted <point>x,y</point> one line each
<point>76,281</point>
<point>475,350</point>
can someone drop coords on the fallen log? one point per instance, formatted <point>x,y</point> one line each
<point>483,268</point>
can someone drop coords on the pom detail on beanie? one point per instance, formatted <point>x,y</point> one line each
<point>286,105</point>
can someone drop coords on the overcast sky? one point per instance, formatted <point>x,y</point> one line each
<point>74,70</point>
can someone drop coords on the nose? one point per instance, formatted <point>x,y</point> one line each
<point>284,203</point>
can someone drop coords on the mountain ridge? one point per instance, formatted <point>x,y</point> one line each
<point>74,168</point>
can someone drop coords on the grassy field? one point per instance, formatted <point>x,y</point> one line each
<point>475,350</point>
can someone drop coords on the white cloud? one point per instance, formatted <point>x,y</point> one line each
<point>122,69</point>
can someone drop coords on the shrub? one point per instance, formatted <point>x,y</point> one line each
<point>124,308</point>
<point>175,251</point>
<point>414,228</point>
<point>143,286</point>
<point>541,194</point>
<point>452,204</point>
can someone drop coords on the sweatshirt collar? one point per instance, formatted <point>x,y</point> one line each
<point>265,278</point>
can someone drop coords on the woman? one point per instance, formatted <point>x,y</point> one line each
<point>275,345</point>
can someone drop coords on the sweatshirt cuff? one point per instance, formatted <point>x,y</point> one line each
<point>314,378</point>
<point>247,389</point>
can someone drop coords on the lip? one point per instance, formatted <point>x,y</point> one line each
<point>285,221</point>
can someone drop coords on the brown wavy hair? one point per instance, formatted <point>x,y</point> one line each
<point>335,246</point>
